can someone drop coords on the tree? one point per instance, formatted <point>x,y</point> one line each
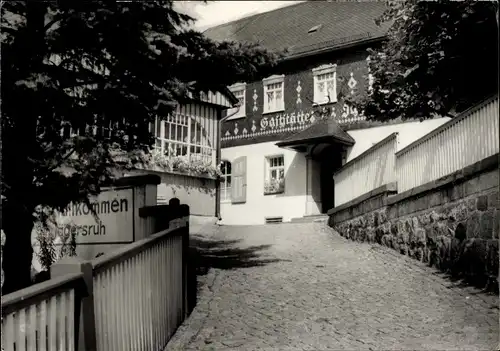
<point>101,71</point>
<point>440,58</point>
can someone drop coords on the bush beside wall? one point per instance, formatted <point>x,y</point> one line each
<point>451,223</point>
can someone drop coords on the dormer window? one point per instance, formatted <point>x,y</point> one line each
<point>325,84</point>
<point>239,91</point>
<point>274,89</point>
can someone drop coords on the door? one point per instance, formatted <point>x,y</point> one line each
<point>331,161</point>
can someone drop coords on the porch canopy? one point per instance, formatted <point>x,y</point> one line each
<point>321,134</point>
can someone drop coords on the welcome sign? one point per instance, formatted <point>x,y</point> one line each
<point>109,220</point>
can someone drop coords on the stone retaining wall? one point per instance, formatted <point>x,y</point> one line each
<point>451,223</point>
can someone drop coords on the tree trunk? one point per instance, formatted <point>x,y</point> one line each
<point>19,140</point>
<point>17,252</point>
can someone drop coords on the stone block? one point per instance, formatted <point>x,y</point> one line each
<point>493,200</point>
<point>460,232</point>
<point>422,203</point>
<point>473,225</point>
<point>471,204</point>
<point>492,259</point>
<point>393,212</point>
<point>432,233</point>
<point>402,209</point>
<point>403,249</point>
<point>383,215</point>
<point>395,245</point>
<point>489,180</point>
<point>414,222</point>
<point>456,192</point>
<point>443,251</point>
<point>425,218</point>
<point>375,219</point>
<point>445,195</point>
<point>420,237</point>
<point>496,225</point>
<point>472,186</point>
<point>394,229</point>
<point>370,235</point>
<point>486,224</point>
<point>435,199</point>
<point>403,238</point>
<point>419,253</point>
<point>482,203</point>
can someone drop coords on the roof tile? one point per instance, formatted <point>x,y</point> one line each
<point>287,27</point>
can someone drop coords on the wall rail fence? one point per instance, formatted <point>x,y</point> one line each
<point>370,170</point>
<point>466,139</point>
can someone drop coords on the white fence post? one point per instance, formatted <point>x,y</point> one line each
<point>86,316</point>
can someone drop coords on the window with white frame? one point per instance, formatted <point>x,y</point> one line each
<point>239,91</point>
<point>274,182</point>
<point>325,84</point>
<point>225,185</point>
<point>182,135</point>
<point>274,91</point>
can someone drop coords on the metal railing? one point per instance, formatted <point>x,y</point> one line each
<point>462,141</point>
<point>370,170</point>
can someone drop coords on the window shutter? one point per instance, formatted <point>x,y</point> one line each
<point>239,180</point>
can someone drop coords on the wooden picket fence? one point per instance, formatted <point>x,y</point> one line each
<point>133,298</point>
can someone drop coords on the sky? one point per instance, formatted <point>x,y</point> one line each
<point>217,12</point>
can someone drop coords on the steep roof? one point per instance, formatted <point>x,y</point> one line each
<point>291,27</point>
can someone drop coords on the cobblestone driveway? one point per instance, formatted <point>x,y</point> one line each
<point>304,287</point>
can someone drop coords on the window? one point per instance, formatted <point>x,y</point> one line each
<point>274,182</point>
<point>325,84</point>
<point>239,91</point>
<point>225,185</point>
<point>273,94</point>
<point>182,135</point>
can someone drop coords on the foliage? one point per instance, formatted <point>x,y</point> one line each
<point>100,71</point>
<point>49,245</point>
<point>274,186</point>
<point>156,160</point>
<point>440,58</point>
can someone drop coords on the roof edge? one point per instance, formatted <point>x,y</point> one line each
<point>285,143</point>
<point>333,48</point>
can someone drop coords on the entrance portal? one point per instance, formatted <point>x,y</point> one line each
<point>330,161</point>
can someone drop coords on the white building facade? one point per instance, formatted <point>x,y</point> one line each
<point>294,130</point>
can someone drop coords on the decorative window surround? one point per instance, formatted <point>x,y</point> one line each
<point>225,185</point>
<point>325,83</point>
<point>239,91</point>
<point>274,87</point>
<point>274,181</point>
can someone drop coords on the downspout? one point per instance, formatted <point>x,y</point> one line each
<point>218,158</point>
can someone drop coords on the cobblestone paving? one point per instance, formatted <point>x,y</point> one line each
<point>327,293</point>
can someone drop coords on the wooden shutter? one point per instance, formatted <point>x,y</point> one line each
<point>239,180</point>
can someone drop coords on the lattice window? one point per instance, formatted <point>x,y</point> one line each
<point>274,88</point>
<point>225,185</point>
<point>325,84</point>
<point>274,182</point>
